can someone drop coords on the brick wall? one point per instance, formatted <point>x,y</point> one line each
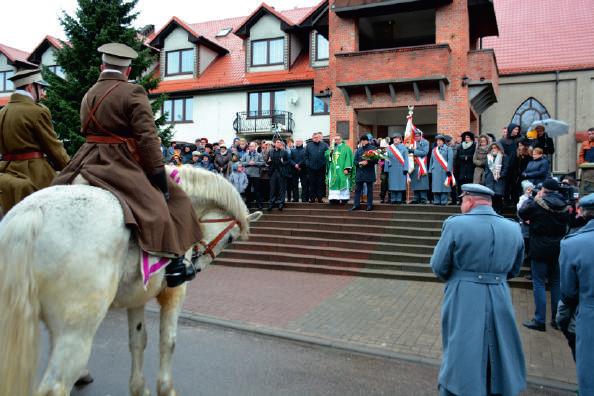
<point>451,60</point>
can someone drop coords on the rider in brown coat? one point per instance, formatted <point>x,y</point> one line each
<point>122,154</point>
<point>31,151</point>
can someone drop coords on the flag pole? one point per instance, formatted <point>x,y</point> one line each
<point>409,142</point>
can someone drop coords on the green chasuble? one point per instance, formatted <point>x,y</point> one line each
<point>341,159</point>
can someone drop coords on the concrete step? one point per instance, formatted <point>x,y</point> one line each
<point>338,243</point>
<point>353,236</point>
<point>310,253</point>
<point>376,214</point>
<point>292,219</point>
<point>379,206</point>
<point>362,272</point>
<point>363,227</point>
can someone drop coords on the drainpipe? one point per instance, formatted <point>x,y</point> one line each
<point>556,94</point>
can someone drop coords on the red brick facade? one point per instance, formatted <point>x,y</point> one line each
<point>450,57</point>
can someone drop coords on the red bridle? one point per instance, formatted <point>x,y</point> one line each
<point>208,247</point>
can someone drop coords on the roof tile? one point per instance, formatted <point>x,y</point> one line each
<point>541,36</point>
<point>229,70</point>
<point>14,54</point>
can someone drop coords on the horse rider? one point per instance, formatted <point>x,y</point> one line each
<point>122,154</point>
<point>29,147</point>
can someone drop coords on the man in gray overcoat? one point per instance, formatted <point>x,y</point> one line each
<point>419,179</point>
<point>476,254</point>
<point>441,169</point>
<point>577,292</point>
<point>397,167</point>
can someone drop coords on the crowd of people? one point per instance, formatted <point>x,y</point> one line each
<point>508,165</point>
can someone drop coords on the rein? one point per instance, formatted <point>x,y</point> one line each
<point>208,247</point>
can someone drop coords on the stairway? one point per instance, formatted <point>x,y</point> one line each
<point>329,239</point>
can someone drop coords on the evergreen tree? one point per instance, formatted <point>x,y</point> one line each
<point>96,22</point>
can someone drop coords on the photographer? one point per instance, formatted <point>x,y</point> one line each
<point>547,215</point>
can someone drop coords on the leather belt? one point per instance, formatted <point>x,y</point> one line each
<point>105,139</point>
<point>479,277</point>
<point>23,156</point>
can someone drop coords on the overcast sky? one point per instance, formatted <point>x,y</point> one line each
<point>26,22</point>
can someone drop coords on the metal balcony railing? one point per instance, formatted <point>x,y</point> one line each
<point>260,122</point>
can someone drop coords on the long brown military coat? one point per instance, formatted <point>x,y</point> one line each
<point>162,226</point>
<point>25,127</point>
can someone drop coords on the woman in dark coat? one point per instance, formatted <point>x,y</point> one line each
<point>522,158</point>
<point>464,159</point>
<point>495,173</point>
<point>537,170</point>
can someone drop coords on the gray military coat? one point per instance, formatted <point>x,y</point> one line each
<point>476,254</point>
<point>417,182</point>
<point>577,284</point>
<point>395,169</point>
<point>438,174</point>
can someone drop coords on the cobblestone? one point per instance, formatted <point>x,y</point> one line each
<point>395,315</point>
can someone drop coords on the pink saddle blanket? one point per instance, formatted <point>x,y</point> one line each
<point>150,265</point>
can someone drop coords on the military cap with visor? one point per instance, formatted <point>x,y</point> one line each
<point>26,77</point>
<point>476,190</point>
<point>117,54</point>
<point>587,202</point>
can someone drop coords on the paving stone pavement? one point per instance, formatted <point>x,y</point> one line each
<point>394,315</point>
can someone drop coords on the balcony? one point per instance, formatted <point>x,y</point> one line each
<point>264,123</point>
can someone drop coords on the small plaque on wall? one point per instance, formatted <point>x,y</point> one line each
<point>343,129</point>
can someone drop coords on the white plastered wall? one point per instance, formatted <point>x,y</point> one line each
<point>213,115</point>
<point>48,58</point>
<point>5,66</point>
<point>207,56</point>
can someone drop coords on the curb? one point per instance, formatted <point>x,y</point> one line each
<point>188,316</point>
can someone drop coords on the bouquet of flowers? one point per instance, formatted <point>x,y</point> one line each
<point>374,155</point>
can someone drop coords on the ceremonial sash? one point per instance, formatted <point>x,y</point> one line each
<point>422,164</point>
<point>450,180</point>
<point>396,153</point>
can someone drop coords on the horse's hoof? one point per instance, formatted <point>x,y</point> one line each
<point>84,380</point>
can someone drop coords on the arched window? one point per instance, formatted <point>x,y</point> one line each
<point>528,112</point>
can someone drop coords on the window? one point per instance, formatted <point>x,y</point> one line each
<point>178,111</point>
<point>57,70</point>
<point>322,47</point>
<point>528,112</point>
<point>268,52</point>
<point>179,62</point>
<point>320,105</point>
<point>264,104</point>
<point>224,32</point>
<point>5,84</point>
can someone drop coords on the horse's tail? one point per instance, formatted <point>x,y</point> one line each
<point>19,303</point>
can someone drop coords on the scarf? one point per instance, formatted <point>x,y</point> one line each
<point>466,145</point>
<point>494,164</point>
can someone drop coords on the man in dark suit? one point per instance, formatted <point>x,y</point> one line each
<point>365,174</point>
<point>297,157</point>
<point>278,167</point>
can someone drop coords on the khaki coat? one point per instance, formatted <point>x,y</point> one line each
<point>25,127</point>
<point>161,226</point>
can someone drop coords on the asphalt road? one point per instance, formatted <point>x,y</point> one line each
<point>215,361</point>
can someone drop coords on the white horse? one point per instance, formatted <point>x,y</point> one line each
<point>66,257</point>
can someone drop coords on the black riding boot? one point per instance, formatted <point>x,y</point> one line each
<point>177,273</point>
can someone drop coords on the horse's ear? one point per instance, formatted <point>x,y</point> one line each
<point>252,217</point>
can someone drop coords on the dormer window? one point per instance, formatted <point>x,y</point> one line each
<point>224,32</point>
<point>268,52</point>
<point>322,48</point>
<point>5,84</point>
<point>179,62</point>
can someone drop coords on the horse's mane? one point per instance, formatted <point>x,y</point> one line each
<point>207,189</point>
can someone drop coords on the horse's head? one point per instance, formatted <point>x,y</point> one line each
<point>224,218</point>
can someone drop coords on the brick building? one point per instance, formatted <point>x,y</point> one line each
<point>386,55</point>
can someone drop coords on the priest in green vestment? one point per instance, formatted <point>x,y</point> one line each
<point>339,163</point>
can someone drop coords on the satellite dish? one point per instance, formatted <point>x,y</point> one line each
<point>293,96</point>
